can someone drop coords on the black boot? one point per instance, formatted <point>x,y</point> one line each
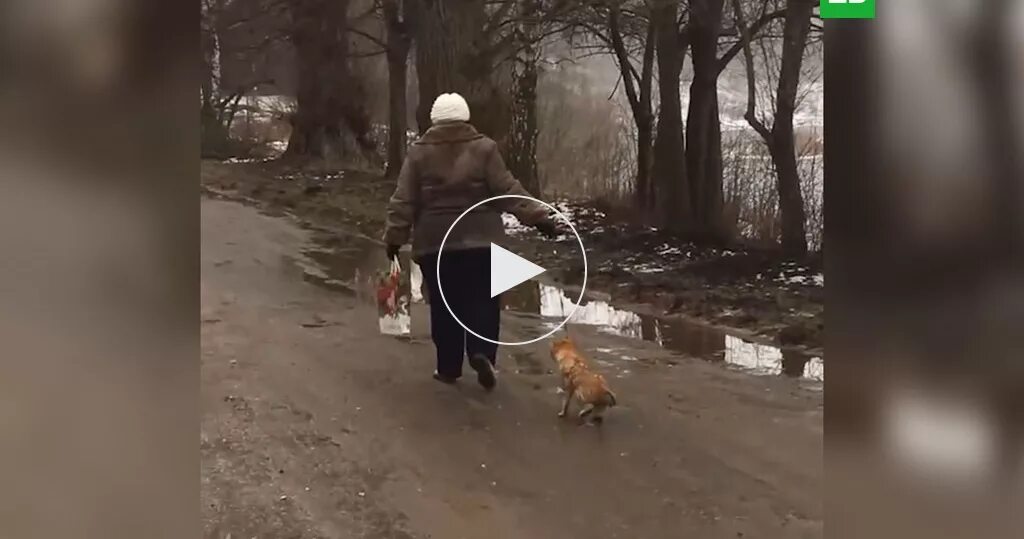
<point>484,370</point>
<point>444,379</point>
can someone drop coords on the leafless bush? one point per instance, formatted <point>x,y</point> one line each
<point>751,200</point>
<point>812,185</point>
<point>586,147</point>
<point>751,196</point>
<point>262,125</point>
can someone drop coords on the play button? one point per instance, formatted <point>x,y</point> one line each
<point>509,269</point>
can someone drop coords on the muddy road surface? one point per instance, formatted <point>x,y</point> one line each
<point>316,426</point>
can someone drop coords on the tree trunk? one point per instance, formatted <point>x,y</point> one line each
<point>452,56</point>
<point>331,121</point>
<point>646,191</point>
<point>703,126</point>
<point>669,161</point>
<point>210,130</point>
<point>522,144</point>
<point>639,104</point>
<point>398,43</point>
<point>780,138</point>
<point>783,146</point>
<point>644,161</point>
<point>213,135</point>
<point>989,53</point>
<point>793,364</point>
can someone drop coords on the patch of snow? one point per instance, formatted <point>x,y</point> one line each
<point>805,280</point>
<point>665,250</point>
<point>512,225</point>
<point>268,102</point>
<point>565,209</point>
<point>647,267</point>
<point>793,279</point>
<point>244,160</point>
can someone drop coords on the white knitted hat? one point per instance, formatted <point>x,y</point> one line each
<point>449,108</point>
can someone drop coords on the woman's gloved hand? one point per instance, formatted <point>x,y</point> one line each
<point>548,227</point>
<point>392,251</point>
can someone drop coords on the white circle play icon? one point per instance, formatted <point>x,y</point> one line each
<point>509,270</point>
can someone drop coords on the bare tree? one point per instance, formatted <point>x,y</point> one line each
<point>780,137</point>
<point>522,143</point>
<point>399,41</point>
<point>330,121</point>
<point>674,208</point>
<point>703,126</point>
<point>574,158</point>
<point>623,30</point>
<point>213,132</point>
<point>226,36</point>
<point>456,50</point>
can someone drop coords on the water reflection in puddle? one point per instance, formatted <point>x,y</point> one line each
<point>350,265</point>
<point>671,333</point>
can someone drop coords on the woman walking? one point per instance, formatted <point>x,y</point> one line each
<point>448,170</point>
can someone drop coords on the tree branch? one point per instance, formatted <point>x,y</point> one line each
<point>499,17</point>
<point>737,48</point>
<point>629,73</point>
<point>366,35</point>
<point>368,54</point>
<point>618,80</point>
<point>647,74</point>
<point>748,55</point>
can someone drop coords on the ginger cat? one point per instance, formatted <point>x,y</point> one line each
<point>589,388</point>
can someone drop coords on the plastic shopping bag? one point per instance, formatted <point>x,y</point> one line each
<point>393,298</point>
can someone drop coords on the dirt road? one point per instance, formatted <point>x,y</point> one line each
<point>314,425</point>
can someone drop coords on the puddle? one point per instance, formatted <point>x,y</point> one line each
<point>527,363</point>
<point>674,334</point>
<point>349,264</point>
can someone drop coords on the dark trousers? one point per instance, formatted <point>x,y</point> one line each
<point>466,278</point>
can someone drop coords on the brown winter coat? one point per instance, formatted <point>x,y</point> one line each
<point>450,168</point>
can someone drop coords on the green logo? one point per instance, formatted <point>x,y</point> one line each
<point>847,9</point>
